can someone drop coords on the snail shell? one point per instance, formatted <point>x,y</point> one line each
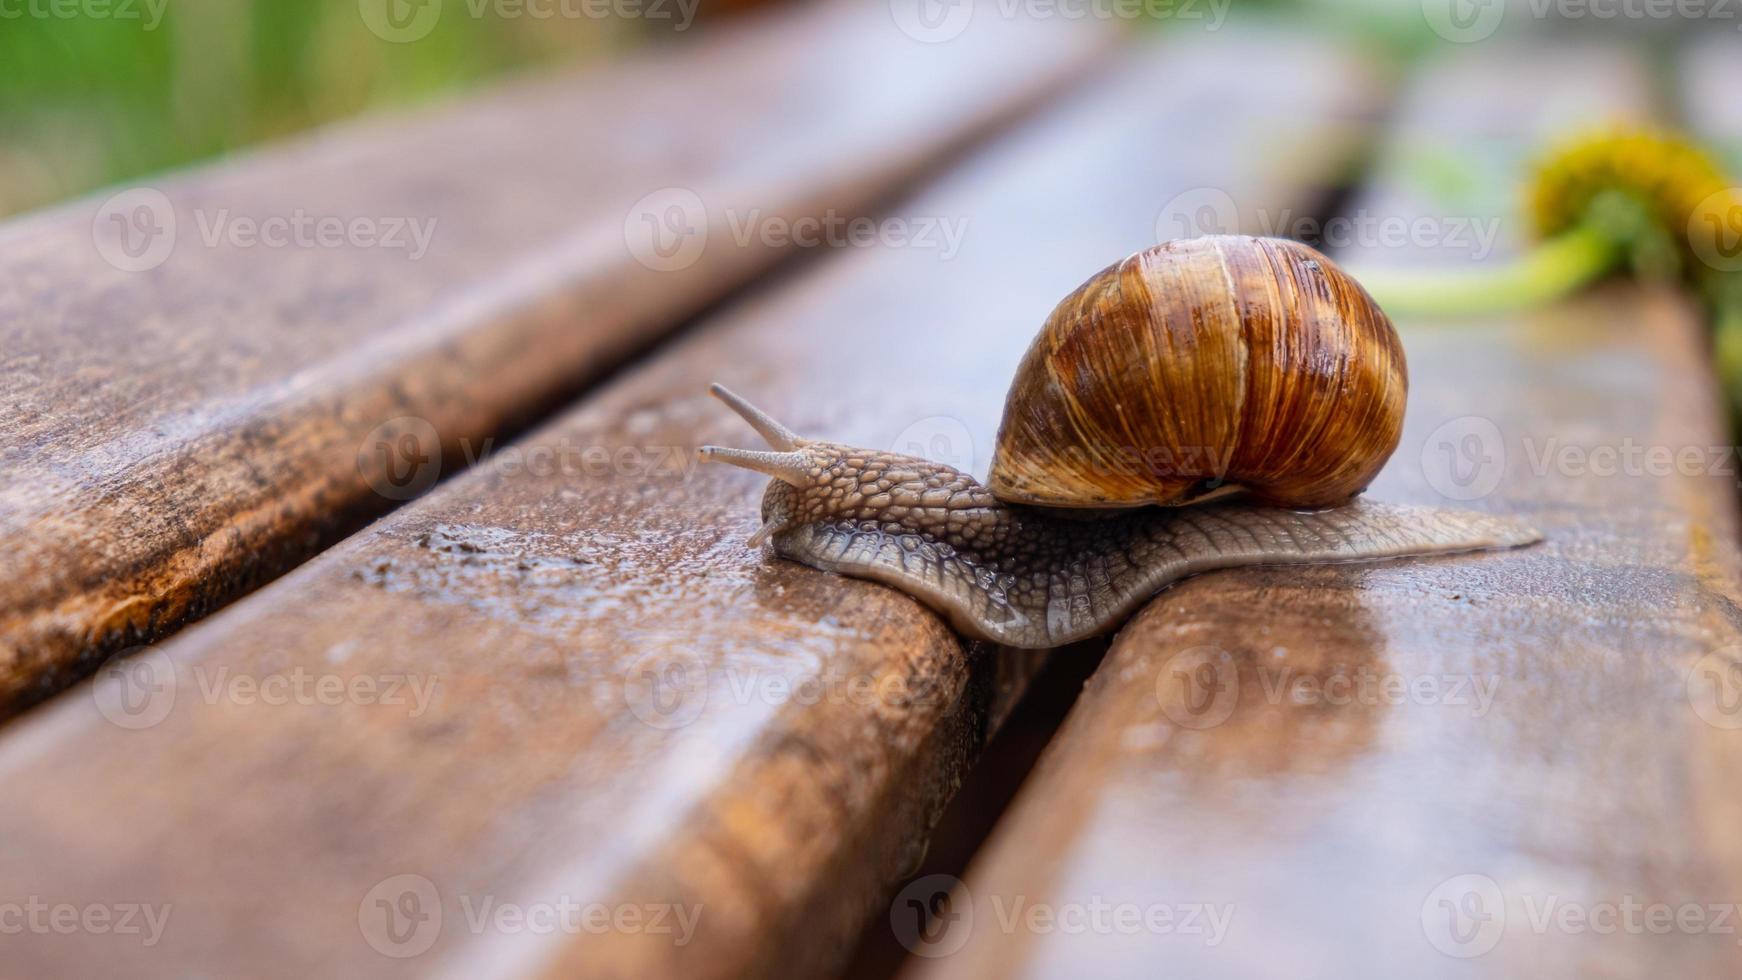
<point>1201,366</point>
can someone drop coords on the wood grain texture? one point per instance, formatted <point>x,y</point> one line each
<point>631,708</point>
<point>171,437</point>
<point>1486,766</point>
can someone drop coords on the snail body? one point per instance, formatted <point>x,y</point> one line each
<point>1281,389</point>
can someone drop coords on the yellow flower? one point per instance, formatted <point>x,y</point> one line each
<point>1676,182</point>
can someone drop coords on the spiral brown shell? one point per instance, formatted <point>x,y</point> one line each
<point>1202,364</point>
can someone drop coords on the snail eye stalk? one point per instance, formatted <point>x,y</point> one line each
<point>767,531</point>
<point>785,467</point>
<point>778,436</point>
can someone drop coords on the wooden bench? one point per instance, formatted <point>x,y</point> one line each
<point>184,423</point>
<point>543,603</point>
<point>553,717</point>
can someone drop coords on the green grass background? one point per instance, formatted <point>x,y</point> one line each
<point>89,100</point>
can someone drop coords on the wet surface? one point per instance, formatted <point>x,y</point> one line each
<point>1341,757</point>
<point>174,435</point>
<point>630,706</point>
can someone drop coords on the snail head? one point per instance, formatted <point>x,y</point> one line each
<point>816,482</point>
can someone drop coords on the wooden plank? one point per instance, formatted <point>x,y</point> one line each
<point>173,434</point>
<point>810,726</point>
<point>1502,766</point>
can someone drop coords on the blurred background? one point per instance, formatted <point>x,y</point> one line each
<point>90,100</point>
<point>93,92</point>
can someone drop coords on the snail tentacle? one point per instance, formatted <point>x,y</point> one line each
<point>778,436</point>
<point>787,467</point>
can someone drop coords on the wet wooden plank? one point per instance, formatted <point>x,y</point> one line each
<point>632,710</point>
<point>1512,765</point>
<point>181,422</point>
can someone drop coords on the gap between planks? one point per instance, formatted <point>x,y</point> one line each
<point>1341,835</point>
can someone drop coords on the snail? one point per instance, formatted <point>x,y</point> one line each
<point>1202,404</point>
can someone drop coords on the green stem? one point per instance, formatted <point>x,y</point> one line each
<point>1554,269</point>
<point>1727,348</point>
